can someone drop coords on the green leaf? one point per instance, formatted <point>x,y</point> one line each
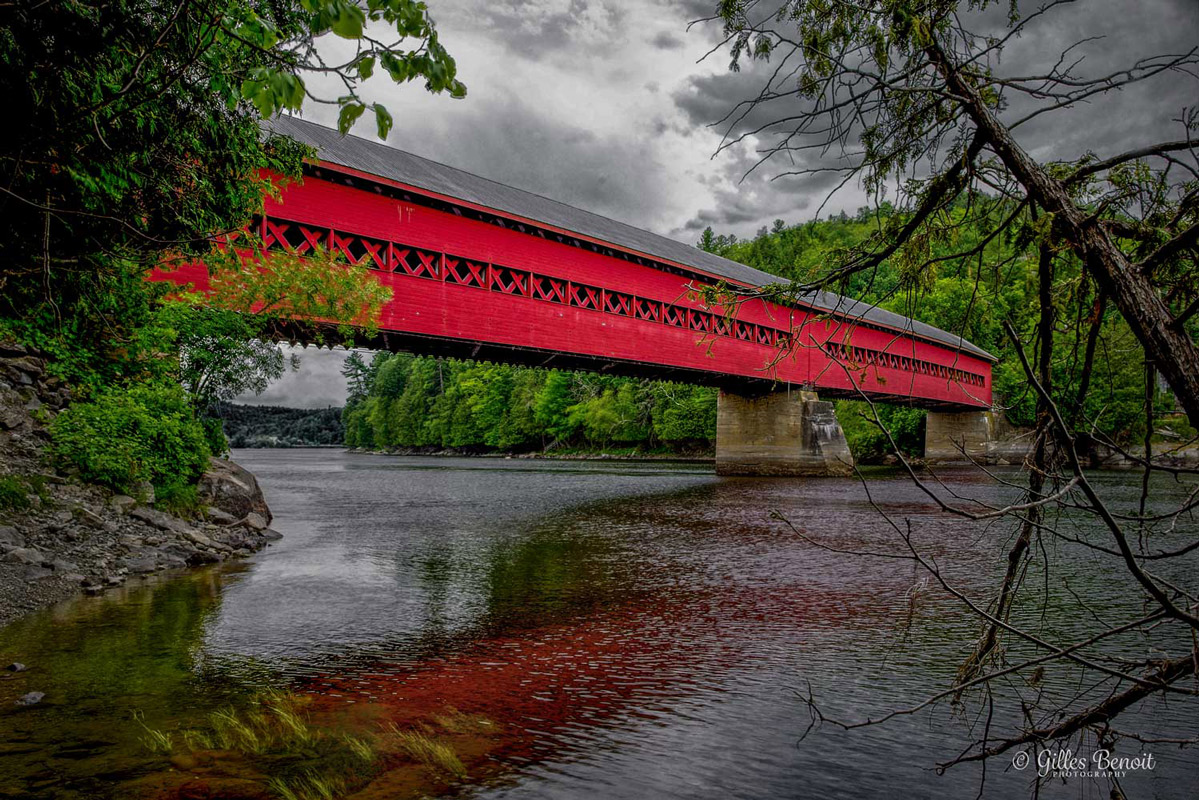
<point>350,112</point>
<point>383,120</point>
<point>396,67</point>
<point>366,67</point>
<point>347,20</point>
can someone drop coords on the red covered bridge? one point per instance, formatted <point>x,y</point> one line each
<point>483,270</point>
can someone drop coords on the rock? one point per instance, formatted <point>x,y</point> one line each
<point>11,537</point>
<point>14,419</point>
<point>9,348</point>
<point>35,572</point>
<point>30,699</point>
<point>90,517</point>
<point>162,521</point>
<point>234,537</point>
<point>232,489</point>
<point>177,554</point>
<point>30,364</point>
<point>195,537</point>
<point>271,535</point>
<point>142,565</point>
<point>16,666</point>
<point>64,566</point>
<point>183,761</point>
<point>23,555</point>
<point>172,562</point>
<point>145,492</point>
<point>256,521</point>
<point>122,502</point>
<point>214,514</point>
<point>205,557</point>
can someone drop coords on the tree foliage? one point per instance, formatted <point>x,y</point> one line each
<point>274,426</point>
<point>134,142</point>
<point>403,401</point>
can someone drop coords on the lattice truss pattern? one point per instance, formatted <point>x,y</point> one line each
<point>386,256</point>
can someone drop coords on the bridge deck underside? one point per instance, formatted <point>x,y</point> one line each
<point>497,290</point>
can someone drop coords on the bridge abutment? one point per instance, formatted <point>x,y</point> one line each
<point>960,437</point>
<point>779,433</point>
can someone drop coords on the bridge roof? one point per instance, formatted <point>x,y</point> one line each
<point>384,161</point>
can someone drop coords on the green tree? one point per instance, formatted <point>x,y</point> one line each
<point>552,403</point>
<point>684,414</point>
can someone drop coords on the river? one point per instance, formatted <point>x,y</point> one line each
<point>572,629</point>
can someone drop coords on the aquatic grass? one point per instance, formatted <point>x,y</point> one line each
<point>293,724</point>
<point>195,739</point>
<point>309,786</point>
<point>273,723</point>
<point>304,761</point>
<point>428,751</point>
<point>455,721</point>
<point>235,734</point>
<point>360,749</point>
<point>154,740</point>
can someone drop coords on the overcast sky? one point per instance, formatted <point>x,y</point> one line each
<point>608,106</point>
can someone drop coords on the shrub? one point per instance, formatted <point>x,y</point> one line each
<point>147,432</point>
<point>178,498</point>
<point>13,494</point>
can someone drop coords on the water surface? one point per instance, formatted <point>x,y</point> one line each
<point>633,630</point>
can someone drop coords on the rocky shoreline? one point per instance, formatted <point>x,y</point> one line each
<point>60,537</point>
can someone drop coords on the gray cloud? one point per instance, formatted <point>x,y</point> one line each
<point>1115,121</point>
<point>522,146</point>
<point>538,29</point>
<point>666,40</point>
<point>1106,124</point>
<point>745,199</point>
<point>318,383</point>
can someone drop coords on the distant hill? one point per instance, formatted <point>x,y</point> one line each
<point>275,426</point>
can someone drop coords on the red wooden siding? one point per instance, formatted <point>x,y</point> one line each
<point>458,278</point>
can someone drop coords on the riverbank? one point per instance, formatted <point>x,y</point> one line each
<point>60,537</point>
<point>698,456</point>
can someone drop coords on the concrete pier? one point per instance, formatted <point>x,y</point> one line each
<point>960,437</point>
<point>779,433</point>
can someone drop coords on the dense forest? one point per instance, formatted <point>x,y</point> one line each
<point>276,426</point>
<point>403,401</point>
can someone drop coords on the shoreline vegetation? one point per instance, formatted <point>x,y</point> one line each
<point>702,457</point>
<point>65,533</point>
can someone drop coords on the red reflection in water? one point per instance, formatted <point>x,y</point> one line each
<point>545,685</point>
